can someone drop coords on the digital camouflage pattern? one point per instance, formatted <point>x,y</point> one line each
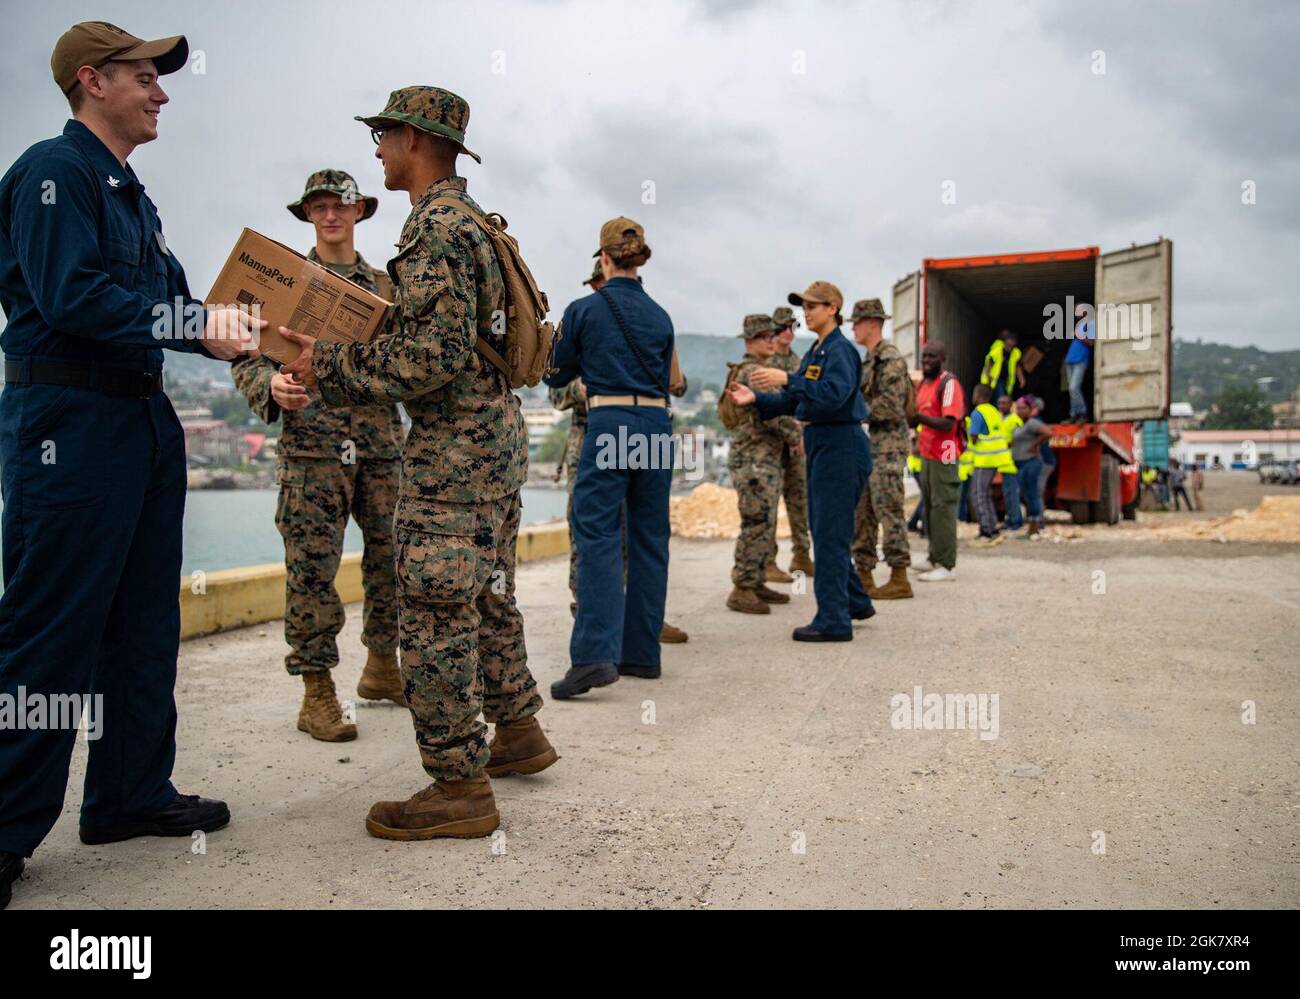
<point>885,388</point>
<point>794,474</point>
<point>462,636</point>
<point>332,463</point>
<point>316,497</point>
<point>333,182</point>
<point>783,315</point>
<point>319,431</point>
<point>463,463</point>
<point>756,325</point>
<point>755,465</point>
<point>570,397</point>
<point>868,308</point>
<point>430,109</point>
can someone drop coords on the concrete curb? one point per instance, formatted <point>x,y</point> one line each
<point>235,598</point>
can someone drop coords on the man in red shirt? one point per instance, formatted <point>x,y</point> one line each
<point>940,409</point>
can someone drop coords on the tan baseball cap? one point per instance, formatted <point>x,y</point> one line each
<point>620,234</point>
<point>93,43</point>
<point>819,291</point>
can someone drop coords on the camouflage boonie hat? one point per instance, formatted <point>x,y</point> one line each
<point>333,182</point>
<point>868,308</point>
<point>596,274</point>
<point>430,109</point>
<point>756,325</point>
<point>783,315</point>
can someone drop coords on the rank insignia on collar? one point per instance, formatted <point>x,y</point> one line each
<point>113,181</point>
<point>813,373</point>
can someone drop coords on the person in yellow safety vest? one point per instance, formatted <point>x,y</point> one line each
<point>1000,376</point>
<point>991,456</point>
<point>1013,519</point>
<point>965,465</point>
<point>915,521</point>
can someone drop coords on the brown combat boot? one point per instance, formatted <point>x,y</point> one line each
<point>775,575</point>
<point>321,717</point>
<point>668,635</point>
<point>380,680</point>
<point>802,563</point>
<point>897,588</point>
<point>519,747</point>
<point>747,602</point>
<point>770,596</point>
<point>462,809</point>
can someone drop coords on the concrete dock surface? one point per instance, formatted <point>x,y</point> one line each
<point>1147,753</point>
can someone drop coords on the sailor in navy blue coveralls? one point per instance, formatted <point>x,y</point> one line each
<point>824,394</point>
<point>92,465</point>
<point>616,632</point>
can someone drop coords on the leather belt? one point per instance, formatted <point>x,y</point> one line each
<point>596,401</point>
<point>96,377</point>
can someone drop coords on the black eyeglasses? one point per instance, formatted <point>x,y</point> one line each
<point>377,133</point>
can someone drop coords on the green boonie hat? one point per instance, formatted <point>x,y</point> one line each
<point>868,308</point>
<point>756,325</point>
<point>333,182</point>
<point>596,274</point>
<point>430,109</point>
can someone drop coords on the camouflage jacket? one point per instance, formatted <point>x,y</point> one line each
<point>756,439</point>
<point>569,397</point>
<point>467,442</point>
<point>318,431</point>
<point>884,384</point>
<point>789,363</point>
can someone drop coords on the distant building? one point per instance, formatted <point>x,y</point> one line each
<point>540,422</point>
<point>1181,416</point>
<point>1236,448</point>
<point>214,442</point>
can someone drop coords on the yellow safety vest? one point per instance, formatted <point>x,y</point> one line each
<point>990,447</point>
<point>993,360</point>
<point>914,463</point>
<point>966,460</point>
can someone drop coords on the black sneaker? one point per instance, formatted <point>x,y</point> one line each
<point>11,869</point>
<point>581,679</point>
<point>186,814</point>
<point>644,672</point>
<point>810,634</point>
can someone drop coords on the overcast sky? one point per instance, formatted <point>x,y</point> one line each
<point>785,141</point>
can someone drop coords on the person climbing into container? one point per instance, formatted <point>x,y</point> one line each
<point>1077,359</point>
<point>1001,372</point>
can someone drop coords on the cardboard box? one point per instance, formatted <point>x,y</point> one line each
<point>292,291</point>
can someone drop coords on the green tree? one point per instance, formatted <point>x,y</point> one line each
<point>1240,407</point>
<point>552,445</point>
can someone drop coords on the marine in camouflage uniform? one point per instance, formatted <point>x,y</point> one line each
<point>755,465</point>
<point>885,381</point>
<point>794,475</point>
<point>463,464</point>
<point>332,463</point>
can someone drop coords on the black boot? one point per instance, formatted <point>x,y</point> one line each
<point>644,672</point>
<point>810,634</point>
<point>581,679</point>
<point>186,814</point>
<point>11,869</point>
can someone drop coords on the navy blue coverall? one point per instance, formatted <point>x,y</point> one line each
<point>93,484</point>
<point>824,394</point>
<point>627,457</point>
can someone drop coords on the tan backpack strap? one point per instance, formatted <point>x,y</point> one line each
<point>497,360</point>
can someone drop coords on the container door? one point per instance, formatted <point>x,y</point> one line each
<point>1133,358</point>
<point>906,312</point>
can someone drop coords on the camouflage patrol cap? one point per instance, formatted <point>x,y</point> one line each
<point>430,109</point>
<point>93,43</point>
<point>756,325</point>
<point>868,308</point>
<point>329,181</point>
<point>818,292</point>
<point>596,274</point>
<point>783,315</point>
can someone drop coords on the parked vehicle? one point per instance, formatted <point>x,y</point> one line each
<point>964,302</point>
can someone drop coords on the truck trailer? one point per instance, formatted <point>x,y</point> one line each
<point>964,302</point>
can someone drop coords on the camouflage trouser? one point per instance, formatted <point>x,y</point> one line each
<point>758,492</point>
<point>316,497</point>
<point>794,487</point>
<point>462,634</point>
<point>881,505</point>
